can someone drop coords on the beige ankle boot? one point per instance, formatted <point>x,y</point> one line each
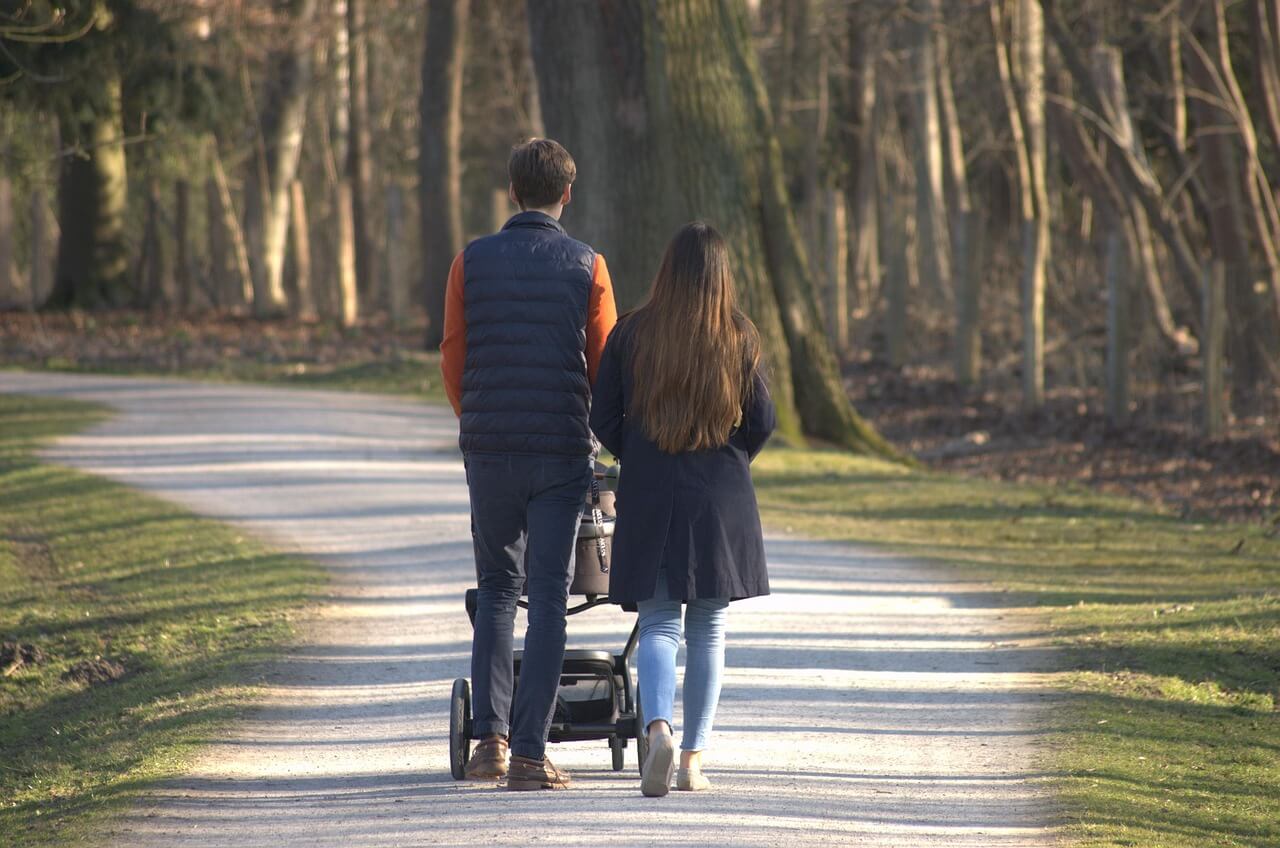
<point>655,777</point>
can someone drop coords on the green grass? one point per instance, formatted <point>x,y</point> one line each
<point>91,569</point>
<point>411,373</point>
<point>1169,634</point>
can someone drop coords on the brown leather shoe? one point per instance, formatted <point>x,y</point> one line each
<point>489,760</point>
<point>527,774</point>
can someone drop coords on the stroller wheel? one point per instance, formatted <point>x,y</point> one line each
<point>618,749</point>
<point>460,728</point>
<point>642,737</point>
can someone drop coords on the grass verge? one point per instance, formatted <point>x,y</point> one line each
<point>132,628</point>
<point>1169,630</point>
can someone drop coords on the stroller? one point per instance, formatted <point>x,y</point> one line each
<point>596,698</point>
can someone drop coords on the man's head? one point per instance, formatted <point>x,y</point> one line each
<point>541,173</point>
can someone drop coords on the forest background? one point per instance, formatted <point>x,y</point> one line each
<point>1027,238</point>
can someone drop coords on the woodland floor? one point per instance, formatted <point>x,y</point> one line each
<point>1158,457</point>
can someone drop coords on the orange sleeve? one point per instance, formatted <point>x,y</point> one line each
<point>453,348</point>
<point>602,314</point>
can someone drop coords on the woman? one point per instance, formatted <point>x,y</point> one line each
<point>680,400</point>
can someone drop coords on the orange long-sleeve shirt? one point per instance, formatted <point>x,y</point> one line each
<point>602,314</point>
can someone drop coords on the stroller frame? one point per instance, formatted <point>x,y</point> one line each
<point>580,666</point>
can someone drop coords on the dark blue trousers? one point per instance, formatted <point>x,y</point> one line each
<point>524,515</point>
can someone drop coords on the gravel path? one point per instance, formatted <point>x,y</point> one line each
<point>869,701</point>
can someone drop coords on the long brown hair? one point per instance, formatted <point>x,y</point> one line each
<point>693,353</point>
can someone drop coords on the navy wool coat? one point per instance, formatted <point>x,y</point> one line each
<point>693,514</point>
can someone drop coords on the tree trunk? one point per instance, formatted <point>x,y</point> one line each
<point>1127,214</point>
<point>183,279</point>
<point>340,126</point>
<point>360,155</point>
<point>439,158</point>
<point>348,292</point>
<point>40,278</point>
<point>1024,98</point>
<point>837,259</point>
<point>240,290</point>
<point>968,341</point>
<point>607,102</point>
<point>397,254</point>
<point>283,119</point>
<point>808,71</point>
<point>345,288</point>
<point>1122,219</point>
<point>156,269</point>
<point>93,207</point>
<point>1035,233</point>
<point>219,248</point>
<point>1216,405</point>
<point>304,285</point>
<point>1117,281</point>
<point>897,215</point>
<point>666,103</point>
<point>12,295</point>
<point>931,205</point>
<point>897,284</point>
<point>864,155</point>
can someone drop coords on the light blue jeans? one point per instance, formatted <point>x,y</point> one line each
<point>660,632</point>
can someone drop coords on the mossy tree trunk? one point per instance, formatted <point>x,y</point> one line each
<point>664,108</point>
<point>93,203</point>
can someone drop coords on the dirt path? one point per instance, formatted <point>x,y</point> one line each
<point>866,702</point>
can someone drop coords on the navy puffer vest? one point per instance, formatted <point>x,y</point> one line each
<point>525,388</point>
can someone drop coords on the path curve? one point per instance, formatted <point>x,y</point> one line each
<point>869,701</point>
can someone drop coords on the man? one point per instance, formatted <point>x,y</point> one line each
<point>527,313</point>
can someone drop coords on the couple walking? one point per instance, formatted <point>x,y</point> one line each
<point>535,360</point>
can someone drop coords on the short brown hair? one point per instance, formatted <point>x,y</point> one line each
<point>540,171</point>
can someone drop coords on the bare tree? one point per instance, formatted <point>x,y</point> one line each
<point>1266,33</point>
<point>439,158</point>
<point>933,241</point>
<point>863,154</point>
<point>239,291</point>
<point>346,289</point>
<point>1238,215</point>
<point>283,118</point>
<point>300,228</point>
<point>968,341</point>
<point>360,154</point>
<point>1022,80</point>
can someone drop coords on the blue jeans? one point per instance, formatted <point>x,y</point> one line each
<point>524,517</point>
<point>660,633</point>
